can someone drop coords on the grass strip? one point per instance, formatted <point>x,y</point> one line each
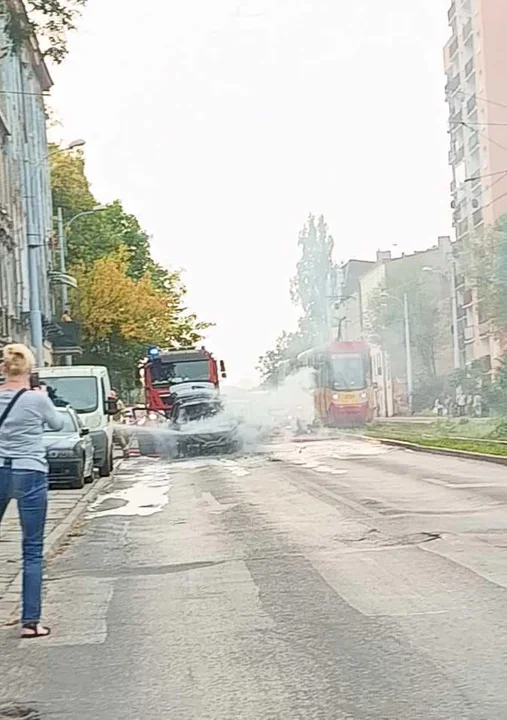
<point>486,447</point>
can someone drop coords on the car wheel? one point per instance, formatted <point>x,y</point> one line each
<point>107,468</point>
<point>79,481</point>
<point>146,445</point>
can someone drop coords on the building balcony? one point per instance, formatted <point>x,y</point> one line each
<point>484,329</point>
<point>467,30</point>
<point>456,118</point>
<point>468,334</point>
<point>462,228</point>
<point>459,154</point>
<point>469,68</point>
<point>460,280</point>
<point>467,299</point>
<point>453,84</point>
<point>477,217</point>
<point>473,142</point>
<point>65,337</point>
<point>451,13</point>
<point>471,105</point>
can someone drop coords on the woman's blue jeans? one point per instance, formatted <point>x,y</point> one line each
<point>30,489</point>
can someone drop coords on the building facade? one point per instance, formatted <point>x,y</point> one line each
<point>26,216</point>
<point>421,276</point>
<point>475,58</point>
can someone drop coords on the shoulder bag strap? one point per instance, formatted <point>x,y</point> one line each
<point>9,407</point>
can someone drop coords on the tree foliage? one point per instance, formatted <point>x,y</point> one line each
<point>49,20</point>
<point>287,347</point>
<point>125,300</point>
<point>384,325</point>
<point>311,289</point>
<point>487,254</point>
<point>312,285</point>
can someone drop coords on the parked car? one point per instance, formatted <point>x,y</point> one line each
<point>69,451</point>
<point>86,388</point>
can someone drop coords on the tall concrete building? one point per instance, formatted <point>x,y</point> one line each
<point>475,59</point>
<point>26,216</point>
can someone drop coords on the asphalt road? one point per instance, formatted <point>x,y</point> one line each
<point>329,580</point>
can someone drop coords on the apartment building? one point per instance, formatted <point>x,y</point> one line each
<point>420,275</point>
<point>25,188</point>
<point>475,58</point>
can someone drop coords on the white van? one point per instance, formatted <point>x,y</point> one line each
<point>86,388</point>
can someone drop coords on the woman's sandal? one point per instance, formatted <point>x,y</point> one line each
<point>36,631</point>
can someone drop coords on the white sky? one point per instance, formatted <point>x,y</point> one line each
<point>222,123</point>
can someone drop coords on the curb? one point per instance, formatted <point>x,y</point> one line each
<point>9,608</point>
<point>449,452</point>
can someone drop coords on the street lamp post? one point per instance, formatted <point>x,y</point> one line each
<point>408,348</point>
<point>454,312</point>
<point>64,295</point>
<point>34,244</point>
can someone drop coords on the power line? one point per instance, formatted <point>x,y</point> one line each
<point>481,177</point>
<point>482,99</point>
<point>493,142</point>
<point>491,102</point>
<point>478,124</point>
<point>500,197</point>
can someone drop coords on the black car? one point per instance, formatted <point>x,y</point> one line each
<point>199,424</point>
<point>69,452</point>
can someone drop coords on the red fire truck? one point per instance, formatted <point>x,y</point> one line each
<point>166,373</point>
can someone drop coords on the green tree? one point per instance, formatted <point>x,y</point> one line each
<point>312,290</point>
<point>125,300</point>
<point>385,326</point>
<point>487,256</point>
<point>49,20</point>
<point>312,285</point>
<point>273,362</point>
<point>70,186</point>
<point>121,315</point>
<point>101,233</point>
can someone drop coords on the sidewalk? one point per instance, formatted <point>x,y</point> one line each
<point>65,509</point>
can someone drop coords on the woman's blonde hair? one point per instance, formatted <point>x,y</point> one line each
<point>18,359</point>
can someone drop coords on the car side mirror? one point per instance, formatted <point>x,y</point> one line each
<point>111,406</point>
<point>84,432</point>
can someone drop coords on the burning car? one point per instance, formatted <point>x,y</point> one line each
<point>198,424</point>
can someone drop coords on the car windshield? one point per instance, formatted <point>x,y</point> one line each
<point>81,393</point>
<point>179,372</point>
<point>197,411</point>
<point>347,372</point>
<point>69,425</point>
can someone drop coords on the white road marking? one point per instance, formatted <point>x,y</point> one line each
<point>214,505</point>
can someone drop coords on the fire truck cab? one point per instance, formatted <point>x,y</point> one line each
<point>173,371</point>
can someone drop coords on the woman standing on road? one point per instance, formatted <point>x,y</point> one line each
<point>23,471</point>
